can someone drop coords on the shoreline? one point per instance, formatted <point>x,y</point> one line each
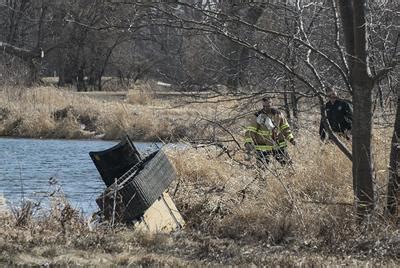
<point>77,139</point>
<point>287,216</point>
<point>47,112</point>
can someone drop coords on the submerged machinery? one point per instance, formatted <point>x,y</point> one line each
<point>136,187</point>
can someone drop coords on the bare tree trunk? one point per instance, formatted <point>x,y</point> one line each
<point>66,72</point>
<point>394,165</point>
<point>362,155</point>
<point>33,72</point>
<point>362,84</point>
<point>346,11</point>
<point>287,105</point>
<point>80,78</point>
<point>293,99</point>
<point>237,54</point>
<point>98,80</point>
<point>355,34</point>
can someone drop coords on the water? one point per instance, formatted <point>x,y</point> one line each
<point>27,166</point>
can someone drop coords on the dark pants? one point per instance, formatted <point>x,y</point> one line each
<point>281,155</point>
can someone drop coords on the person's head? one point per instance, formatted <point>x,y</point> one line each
<point>266,102</point>
<point>331,93</point>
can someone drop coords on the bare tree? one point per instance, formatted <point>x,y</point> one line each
<point>394,178</point>
<point>22,28</point>
<point>322,62</point>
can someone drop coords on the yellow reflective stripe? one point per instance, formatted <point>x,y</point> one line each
<point>290,136</point>
<point>270,148</point>
<point>250,140</point>
<point>284,126</point>
<point>252,129</point>
<point>259,132</point>
<point>282,144</point>
<point>264,148</point>
<point>264,133</point>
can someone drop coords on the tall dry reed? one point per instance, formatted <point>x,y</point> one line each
<point>229,205</point>
<point>310,202</point>
<point>48,112</point>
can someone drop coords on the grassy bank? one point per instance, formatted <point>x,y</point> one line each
<point>302,215</point>
<point>48,112</point>
<point>235,212</point>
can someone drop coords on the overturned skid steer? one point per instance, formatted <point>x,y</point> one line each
<point>136,187</point>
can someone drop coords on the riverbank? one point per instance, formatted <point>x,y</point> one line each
<point>235,213</point>
<point>300,215</point>
<point>49,112</point>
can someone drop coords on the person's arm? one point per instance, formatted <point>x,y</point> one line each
<point>348,117</point>
<point>250,132</point>
<point>285,129</point>
<point>348,113</point>
<point>248,140</point>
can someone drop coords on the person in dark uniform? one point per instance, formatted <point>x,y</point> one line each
<point>340,115</point>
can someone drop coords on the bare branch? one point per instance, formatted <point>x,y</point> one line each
<point>22,53</point>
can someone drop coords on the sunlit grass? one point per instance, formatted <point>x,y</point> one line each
<point>235,212</point>
<point>306,206</point>
<point>33,113</point>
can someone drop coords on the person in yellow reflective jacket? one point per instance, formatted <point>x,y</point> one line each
<point>267,134</point>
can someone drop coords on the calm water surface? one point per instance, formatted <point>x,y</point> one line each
<point>26,166</point>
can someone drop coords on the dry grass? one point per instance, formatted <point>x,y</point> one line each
<point>308,206</point>
<point>287,215</point>
<point>142,95</point>
<point>235,212</point>
<point>48,112</point>
<point>277,202</point>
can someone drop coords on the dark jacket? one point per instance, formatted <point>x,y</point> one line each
<point>340,117</point>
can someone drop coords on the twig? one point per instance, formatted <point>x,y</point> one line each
<point>328,203</point>
<point>115,201</point>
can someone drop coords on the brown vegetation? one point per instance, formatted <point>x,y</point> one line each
<point>47,112</point>
<point>235,212</point>
<point>287,216</point>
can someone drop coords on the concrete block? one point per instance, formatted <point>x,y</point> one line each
<point>161,217</point>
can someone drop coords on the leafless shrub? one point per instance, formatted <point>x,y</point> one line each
<point>13,72</point>
<point>23,214</point>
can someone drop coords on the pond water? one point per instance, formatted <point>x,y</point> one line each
<point>31,169</point>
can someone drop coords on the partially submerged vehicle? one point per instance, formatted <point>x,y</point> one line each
<point>134,184</point>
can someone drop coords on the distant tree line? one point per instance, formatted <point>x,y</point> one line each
<point>80,42</point>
